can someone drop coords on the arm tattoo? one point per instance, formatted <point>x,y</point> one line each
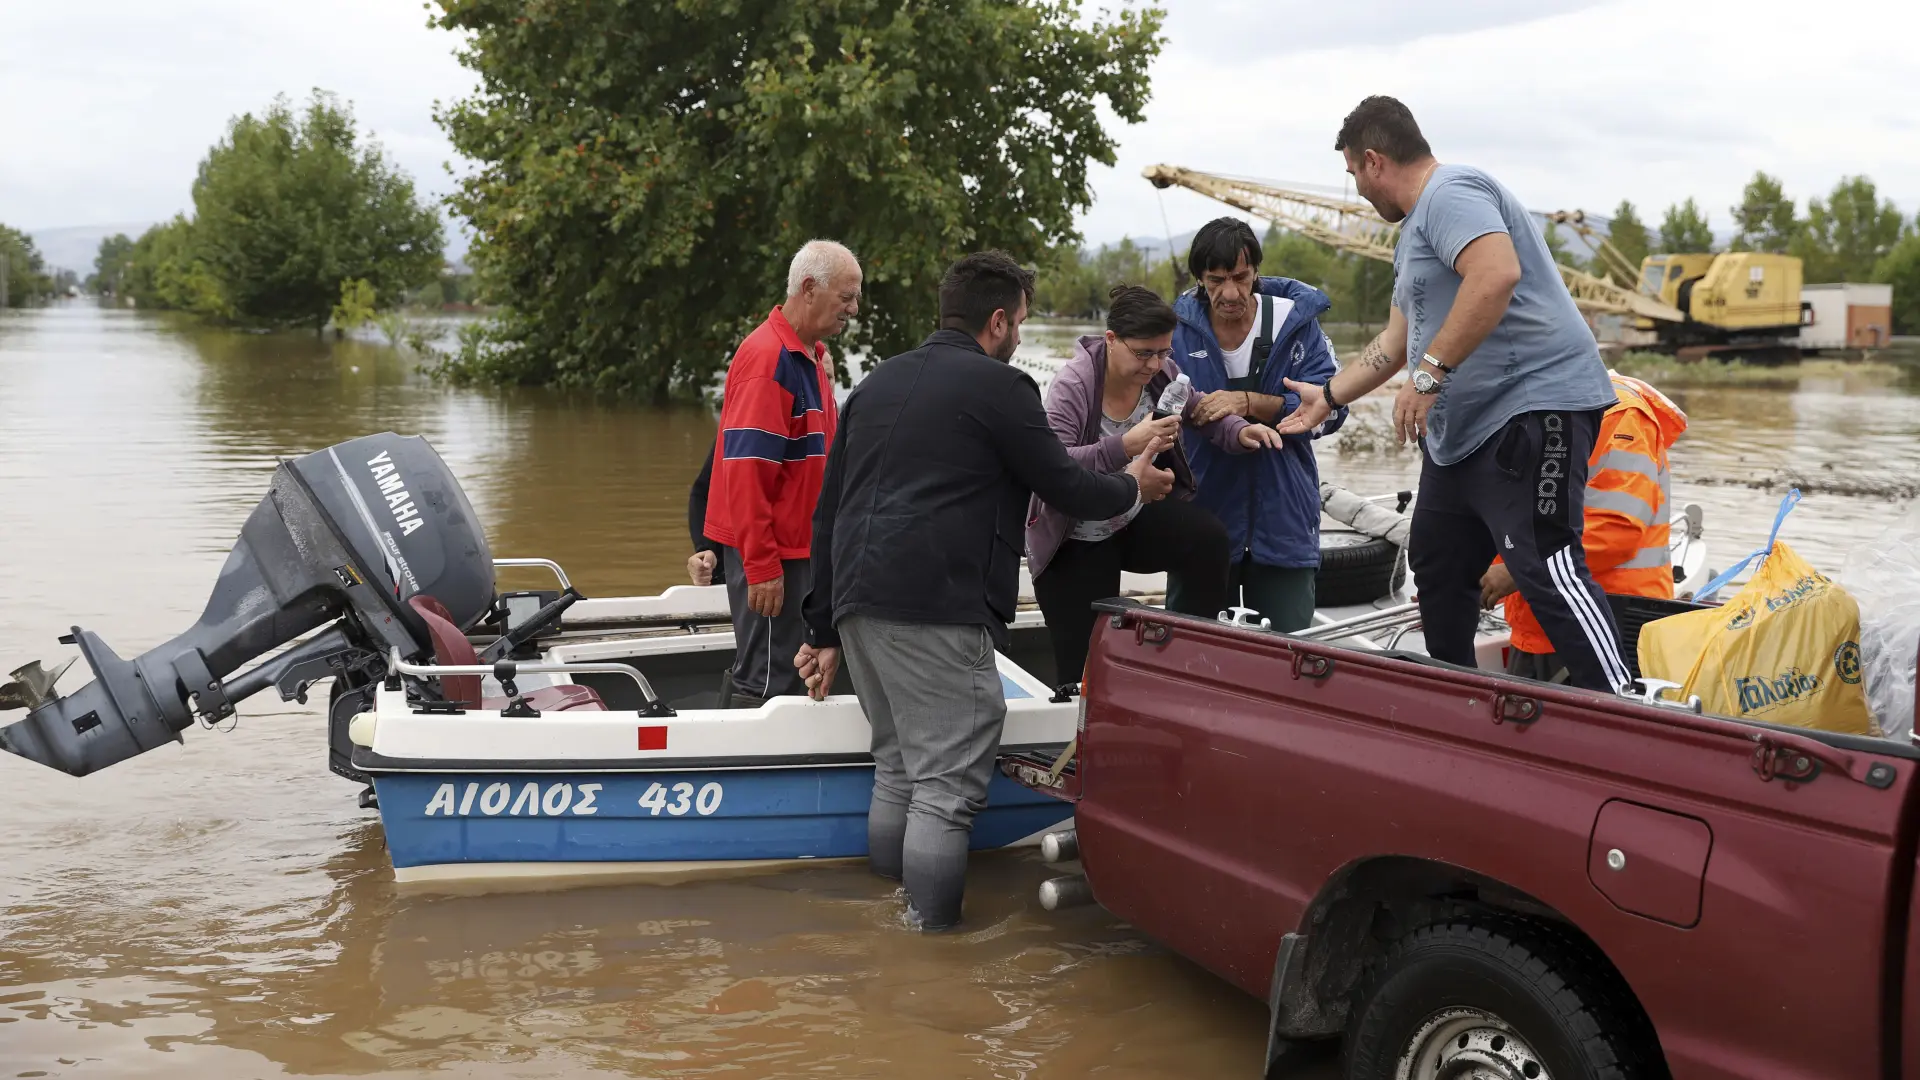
<point>1375,356</point>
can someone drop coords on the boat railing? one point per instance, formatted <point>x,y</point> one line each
<point>505,670</point>
<point>548,563</point>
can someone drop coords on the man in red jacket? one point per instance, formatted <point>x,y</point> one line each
<point>776,421</point>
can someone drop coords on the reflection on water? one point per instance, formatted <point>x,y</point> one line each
<point>224,908</point>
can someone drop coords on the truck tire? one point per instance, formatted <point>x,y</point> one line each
<point>1354,568</point>
<point>1524,999</point>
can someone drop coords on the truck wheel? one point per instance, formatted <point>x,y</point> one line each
<point>1497,1000</point>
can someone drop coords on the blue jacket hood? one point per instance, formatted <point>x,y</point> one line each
<point>1309,303</point>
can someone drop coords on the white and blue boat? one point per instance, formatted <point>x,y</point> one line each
<point>544,734</point>
<point>650,775</point>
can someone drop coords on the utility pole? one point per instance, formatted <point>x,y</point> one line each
<point>6,264</point>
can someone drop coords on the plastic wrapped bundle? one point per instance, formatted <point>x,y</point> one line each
<point>1364,515</point>
<point>1884,577</point>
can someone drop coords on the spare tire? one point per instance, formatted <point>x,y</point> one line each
<point>1354,568</point>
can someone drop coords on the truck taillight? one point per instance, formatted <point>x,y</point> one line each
<point>1080,722</point>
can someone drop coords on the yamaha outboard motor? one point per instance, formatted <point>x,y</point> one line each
<point>345,536</point>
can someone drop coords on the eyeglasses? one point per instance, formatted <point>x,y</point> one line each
<point>1149,355</point>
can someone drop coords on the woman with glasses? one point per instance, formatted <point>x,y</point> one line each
<point>1101,405</point>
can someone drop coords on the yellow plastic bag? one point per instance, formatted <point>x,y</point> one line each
<point>1785,650</point>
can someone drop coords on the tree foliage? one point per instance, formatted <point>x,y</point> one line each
<point>1628,234</point>
<point>1765,220</point>
<point>165,270</point>
<point>288,208</point>
<point>1360,289</point>
<point>647,169</point>
<point>1900,267</point>
<point>1684,229</point>
<point>1557,246</point>
<point>27,279</point>
<point>110,264</point>
<point>1847,234</point>
<point>1073,283</point>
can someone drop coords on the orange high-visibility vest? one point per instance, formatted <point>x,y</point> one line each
<point>1625,530</point>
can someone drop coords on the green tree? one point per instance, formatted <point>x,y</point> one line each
<point>1628,233</point>
<point>110,265</point>
<point>357,306</point>
<point>1073,283</point>
<point>164,270</point>
<point>1848,233</point>
<point>1557,247</point>
<point>646,169</point>
<point>1900,267</point>
<point>1368,297</point>
<point>1765,220</point>
<point>290,206</point>
<point>1300,257</point>
<point>1684,229</point>
<point>27,280</point>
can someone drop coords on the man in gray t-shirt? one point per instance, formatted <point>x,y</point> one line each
<point>1504,394</point>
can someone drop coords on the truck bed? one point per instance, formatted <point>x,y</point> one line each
<point>1280,810</point>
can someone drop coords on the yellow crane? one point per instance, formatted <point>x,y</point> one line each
<point>1351,225</point>
<point>1605,255</point>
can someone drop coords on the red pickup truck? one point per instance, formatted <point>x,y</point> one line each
<point>1459,874</point>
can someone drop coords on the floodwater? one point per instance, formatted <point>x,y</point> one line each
<point>224,908</point>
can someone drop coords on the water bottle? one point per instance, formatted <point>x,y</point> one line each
<point>1173,400</point>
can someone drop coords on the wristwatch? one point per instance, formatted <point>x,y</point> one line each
<point>1424,382</point>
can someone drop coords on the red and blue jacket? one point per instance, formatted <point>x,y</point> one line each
<point>776,422</point>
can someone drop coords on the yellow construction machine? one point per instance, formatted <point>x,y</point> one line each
<point>1730,299</point>
<point>1741,300</point>
<point>1733,298</point>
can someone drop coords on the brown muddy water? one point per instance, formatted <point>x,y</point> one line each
<point>225,909</point>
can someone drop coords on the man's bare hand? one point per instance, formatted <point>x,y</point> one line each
<point>1312,412</point>
<point>768,597</point>
<point>1139,435</point>
<point>700,566</point>
<point>1154,482</point>
<point>1255,436</point>
<point>1496,585</point>
<point>817,667</point>
<point>1219,405</point>
<point>1410,409</point>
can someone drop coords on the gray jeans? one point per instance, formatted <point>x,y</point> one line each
<point>932,693</point>
<point>763,648</point>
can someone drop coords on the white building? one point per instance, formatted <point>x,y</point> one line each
<point>1845,315</point>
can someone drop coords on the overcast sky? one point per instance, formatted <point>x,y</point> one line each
<point>109,104</point>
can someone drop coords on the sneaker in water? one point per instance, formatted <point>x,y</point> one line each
<point>913,920</point>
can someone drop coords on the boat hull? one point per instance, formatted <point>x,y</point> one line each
<point>447,825</point>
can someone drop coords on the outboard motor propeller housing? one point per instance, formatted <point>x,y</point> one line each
<point>345,535</point>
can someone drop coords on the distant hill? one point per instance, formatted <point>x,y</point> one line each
<point>73,247</point>
<point>1155,247</point>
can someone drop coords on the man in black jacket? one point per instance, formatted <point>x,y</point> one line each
<point>703,566</point>
<point>917,540</point>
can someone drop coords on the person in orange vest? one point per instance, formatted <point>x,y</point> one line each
<point>1626,515</point>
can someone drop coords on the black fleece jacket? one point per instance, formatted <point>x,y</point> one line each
<point>922,517</point>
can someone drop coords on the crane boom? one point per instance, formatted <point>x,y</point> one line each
<point>1616,263</point>
<point>1352,226</point>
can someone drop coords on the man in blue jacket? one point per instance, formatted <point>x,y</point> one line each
<point>1241,336</point>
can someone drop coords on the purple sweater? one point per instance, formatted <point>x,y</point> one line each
<point>1073,411</point>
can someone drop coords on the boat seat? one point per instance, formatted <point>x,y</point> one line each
<point>451,647</point>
